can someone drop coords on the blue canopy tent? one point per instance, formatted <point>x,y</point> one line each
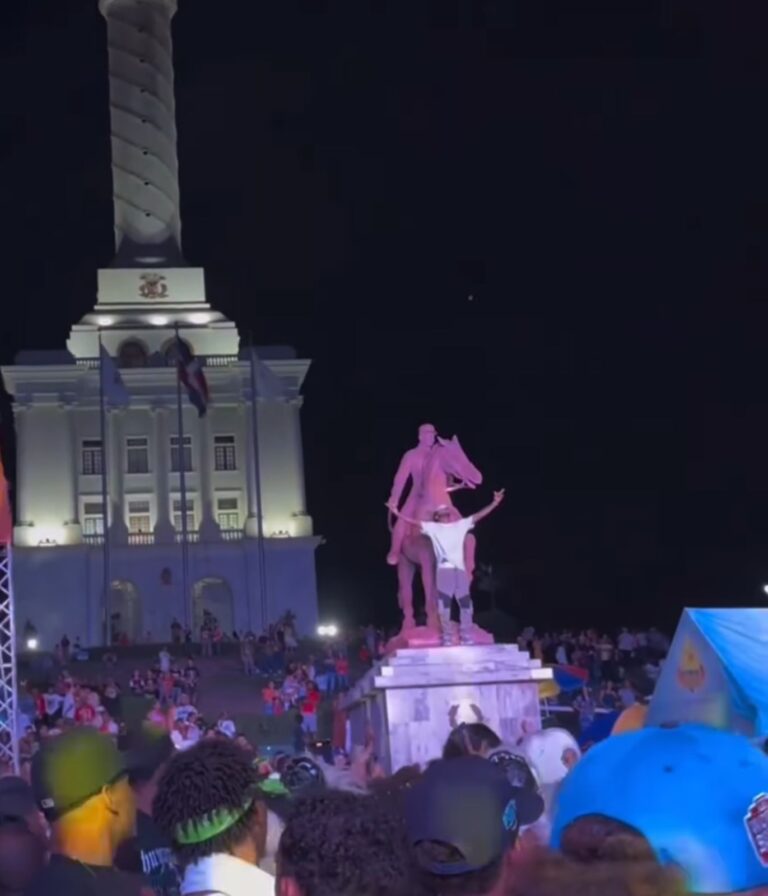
<point>716,672</point>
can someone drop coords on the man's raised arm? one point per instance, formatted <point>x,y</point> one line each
<point>498,497</point>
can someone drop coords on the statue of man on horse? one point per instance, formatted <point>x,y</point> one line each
<point>436,468</point>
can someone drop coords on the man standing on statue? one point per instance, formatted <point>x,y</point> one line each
<point>411,465</point>
<point>447,536</point>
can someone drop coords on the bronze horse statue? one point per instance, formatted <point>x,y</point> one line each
<point>447,469</point>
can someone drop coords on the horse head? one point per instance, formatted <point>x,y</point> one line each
<point>455,463</point>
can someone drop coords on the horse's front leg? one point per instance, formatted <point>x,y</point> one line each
<point>428,581</point>
<point>405,571</point>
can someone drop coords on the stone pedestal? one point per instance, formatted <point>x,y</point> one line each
<point>411,700</point>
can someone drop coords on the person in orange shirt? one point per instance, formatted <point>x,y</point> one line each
<point>269,696</point>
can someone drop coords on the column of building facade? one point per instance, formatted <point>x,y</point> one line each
<point>70,479</point>
<point>208,526</point>
<point>25,473</point>
<point>245,411</point>
<point>303,521</point>
<point>113,456</point>
<point>164,530</point>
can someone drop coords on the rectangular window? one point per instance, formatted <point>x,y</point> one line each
<point>228,513</point>
<point>93,518</point>
<point>91,457</point>
<point>139,520</point>
<point>187,453</point>
<point>178,523</point>
<point>224,456</point>
<point>137,454</point>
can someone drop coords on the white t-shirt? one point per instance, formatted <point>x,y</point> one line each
<point>448,541</point>
<point>53,703</point>
<point>227,726</point>
<point>184,712</point>
<point>627,642</point>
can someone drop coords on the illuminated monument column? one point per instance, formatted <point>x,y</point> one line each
<point>145,167</point>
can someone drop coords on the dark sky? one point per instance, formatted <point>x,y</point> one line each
<point>594,175</point>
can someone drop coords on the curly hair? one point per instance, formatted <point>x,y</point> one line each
<point>597,838</point>
<point>213,775</point>
<point>342,844</point>
<point>548,874</point>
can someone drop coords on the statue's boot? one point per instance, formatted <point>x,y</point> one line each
<point>465,626</point>
<point>393,558</point>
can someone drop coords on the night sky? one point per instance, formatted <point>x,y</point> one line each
<point>542,226</point>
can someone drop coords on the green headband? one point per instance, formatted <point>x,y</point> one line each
<point>273,787</point>
<point>212,824</point>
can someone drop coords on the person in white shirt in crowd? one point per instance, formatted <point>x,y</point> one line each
<point>185,709</point>
<point>627,645</point>
<point>165,660</point>
<point>53,702</point>
<point>226,725</point>
<point>627,695</point>
<point>447,535</point>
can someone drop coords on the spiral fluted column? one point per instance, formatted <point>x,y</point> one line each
<point>142,111</point>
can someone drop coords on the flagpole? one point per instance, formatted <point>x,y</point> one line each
<point>106,603</point>
<point>259,515</point>
<point>183,490</point>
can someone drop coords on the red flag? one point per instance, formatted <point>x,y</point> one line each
<point>6,518</point>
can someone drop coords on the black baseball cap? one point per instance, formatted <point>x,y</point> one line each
<point>73,767</point>
<point>149,748</point>
<point>468,803</point>
<point>16,798</point>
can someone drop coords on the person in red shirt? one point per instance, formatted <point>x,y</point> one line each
<point>342,673</point>
<point>85,713</point>
<point>270,696</point>
<point>309,708</point>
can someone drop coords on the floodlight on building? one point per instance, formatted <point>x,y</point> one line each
<point>32,643</point>
<point>104,321</point>
<point>200,318</point>
<point>158,320</point>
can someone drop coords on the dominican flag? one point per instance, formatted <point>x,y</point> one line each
<point>191,376</point>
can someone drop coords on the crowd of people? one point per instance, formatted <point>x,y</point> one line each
<point>656,812</point>
<point>187,805</point>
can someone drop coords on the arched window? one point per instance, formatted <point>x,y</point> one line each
<point>169,351</point>
<point>132,354</point>
<point>212,603</point>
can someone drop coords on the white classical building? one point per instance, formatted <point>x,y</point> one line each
<point>60,559</point>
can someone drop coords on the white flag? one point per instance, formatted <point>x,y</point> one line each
<point>268,384</point>
<point>115,393</point>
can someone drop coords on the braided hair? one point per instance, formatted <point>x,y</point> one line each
<point>215,778</point>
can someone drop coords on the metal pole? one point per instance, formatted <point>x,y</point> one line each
<point>183,489</point>
<point>9,751</point>
<point>259,514</point>
<point>106,602</point>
